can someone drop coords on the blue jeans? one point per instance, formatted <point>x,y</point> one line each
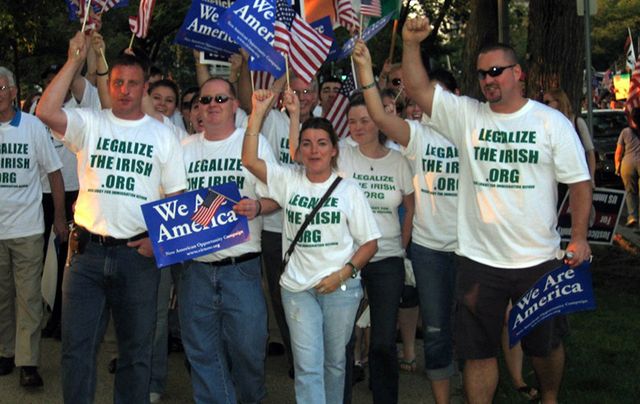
<point>435,274</point>
<point>223,316</point>
<point>320,327</point>
<point>160,352</point>
<point>102,279</point>
<point>384,281</point>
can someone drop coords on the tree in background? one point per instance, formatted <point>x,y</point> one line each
<point>555,49</point>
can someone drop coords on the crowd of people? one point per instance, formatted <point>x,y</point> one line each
<point>427,209</point>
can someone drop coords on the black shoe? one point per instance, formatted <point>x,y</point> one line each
<point>275,349</point>
<point>113,365</point>
<point>29,377</point>
<point>6,365</point>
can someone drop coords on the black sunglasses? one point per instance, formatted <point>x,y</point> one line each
<point>396,82</point>
<point>219,99</point>
<point>495,71</point>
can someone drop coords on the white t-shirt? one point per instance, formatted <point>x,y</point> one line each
<point>435,164</point>
<point>217,162</point>
<point>25,150</point>
<point>276,129</point>
<point>343,224</point>
<point>122,164</point>
<point>510,167</point>
<point>90,99</point>
<point>384,181</point>
<point>179,133</point>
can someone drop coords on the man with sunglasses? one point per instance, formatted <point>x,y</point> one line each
<point>222,308</point>
<point>125,159</point>
<point>512,152</point>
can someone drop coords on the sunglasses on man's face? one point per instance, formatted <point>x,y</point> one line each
<point>396,82</point>
<point>219,99</point>
<point>494,71</point>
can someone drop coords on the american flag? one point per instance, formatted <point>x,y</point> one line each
<point>633,99</point>
<point>210,205</point>
<point>106,5</point>
<point>307,48</point>
<point>139,24</point>
<point>76,7</point>
<point>345,15</point>
<point>262,80</point>
<point>371,8</point>
<point>337,114</point>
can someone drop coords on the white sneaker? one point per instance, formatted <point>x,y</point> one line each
<point>154,397</point>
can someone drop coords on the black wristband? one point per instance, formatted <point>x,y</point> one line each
<point>102,74</point>
<point>368,86</point>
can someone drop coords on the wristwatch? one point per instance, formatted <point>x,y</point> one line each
<point>354,270</point>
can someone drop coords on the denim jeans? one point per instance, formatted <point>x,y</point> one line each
<point>271,260</point>
<point>384,281</point>
<point>102,279</point>
<point>320,327</point>
<point>224,330</point>
<point>435,274</point>
<point>160,353</point>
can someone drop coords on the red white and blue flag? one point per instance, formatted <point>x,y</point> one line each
<point>307,48</point>
<point>372,8</point>
<point>139,24</point>
<point>633,98</point>
<point>207,210</point>
<point>337,114</point>
<point>346,15</point>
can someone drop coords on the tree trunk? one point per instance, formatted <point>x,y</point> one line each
<point>482,28</point>
<point>555,49</point>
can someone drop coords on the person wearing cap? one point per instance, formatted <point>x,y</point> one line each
<point>513,151</point>
<point>25,152</point>
<point>125,159</point>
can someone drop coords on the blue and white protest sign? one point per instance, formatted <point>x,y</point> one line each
<point>250,24</point>
<point>367,34</point>
<point>324,27</point>
<point>562,291</point>
<point>201,29</point>
<point>177,237</point>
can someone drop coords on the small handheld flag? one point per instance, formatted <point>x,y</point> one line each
<point>207,210</point>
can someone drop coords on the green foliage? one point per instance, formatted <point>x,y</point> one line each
<point>609,31</point>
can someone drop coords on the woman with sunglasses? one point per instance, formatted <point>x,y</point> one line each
<point>320,286</point>
<point>627,163</point>
<point>556,98</point>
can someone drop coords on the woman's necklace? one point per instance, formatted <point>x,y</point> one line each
<point>378,153</point>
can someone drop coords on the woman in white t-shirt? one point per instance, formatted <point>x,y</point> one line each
<point>385,177</point>
<point>320,286</point>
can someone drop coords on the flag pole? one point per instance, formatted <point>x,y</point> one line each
<point>286,66</point>
<point>253,90</point>
<point>133,35</point>
<point>361,23</point>
<point>394,34</point>
<point>87,10</point>
<point>104,59</point>
<point>222,195</point>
